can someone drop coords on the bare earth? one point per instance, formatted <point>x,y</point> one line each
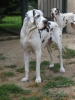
<point>14,55</point>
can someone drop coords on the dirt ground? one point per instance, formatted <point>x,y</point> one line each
<point>11,49</point>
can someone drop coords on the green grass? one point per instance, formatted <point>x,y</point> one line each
<point>7,89</point>
<point>59,81</point>
<point>20,70</point>
<point>56,68</point>
<point>6,74</point>
<point>70,53</point>
<point>2,57</point>
<point>44,65</point>
<point>11,22</point>
<point>54,95</point>
<point>11,66</point>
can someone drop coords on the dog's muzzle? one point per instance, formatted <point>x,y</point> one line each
<point>73,25</point>
<point>45,22</point>
<point>53,15</point>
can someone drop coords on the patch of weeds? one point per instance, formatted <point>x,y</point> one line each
<point>32,65</point>
<point>54,46</point>
<point>69,53</point>
<point>56,67</point>
<point>9,74</point>
<point>54,95</point>
<point>20,70</point>
<point>11,66</point>
<point>6,74</point>
<point>59,81</point>
<point>23,98</point>
<point>43,65</point>
<point>34,98</point>
<point>2,57</point>
<point>73,96</point>
<point>71,62</point>
<point>7,89</point>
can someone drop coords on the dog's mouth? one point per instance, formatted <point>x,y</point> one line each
<point>73,25</point>
<point>53,15</point>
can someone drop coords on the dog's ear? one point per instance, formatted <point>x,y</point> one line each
<point>32,18</point>
<point>58,11</point>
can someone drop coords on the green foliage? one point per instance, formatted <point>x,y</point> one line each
<point>59,81</point>
<point>20,70</point>
<point>11,66</point>
<point>54,94</point>
<point>2,57</point>
<point>56,67</point>
<point>32,65</point>
<point>9,74</point>
<point>44,65</point>
<point>32,5</point>
<point>32,98</point>
<point>69,53</point>
<point>11,22</point>
<point>7,89</point>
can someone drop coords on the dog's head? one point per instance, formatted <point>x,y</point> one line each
<point>73,21</point>
<point>36,17</point>
<point>55,12</point>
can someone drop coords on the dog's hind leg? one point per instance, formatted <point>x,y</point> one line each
<point>62,70</point>
<point>51,56</point>
<point>38,61</point>
<point>26,62</point>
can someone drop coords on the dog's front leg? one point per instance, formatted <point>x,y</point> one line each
<point>26,62</point>
<point>38,61</point>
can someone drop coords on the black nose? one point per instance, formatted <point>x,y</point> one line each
<point>45,22</point>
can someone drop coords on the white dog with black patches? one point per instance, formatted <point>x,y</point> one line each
<point>62,19</point>
<point>35,34</point>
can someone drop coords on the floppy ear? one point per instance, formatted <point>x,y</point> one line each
<point>58,10</point>
<point>32,18</point>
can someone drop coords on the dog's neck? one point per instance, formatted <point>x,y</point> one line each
<point>28,27</point>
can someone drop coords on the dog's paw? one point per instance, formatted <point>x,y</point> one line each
<point>62,70</point>
<point>24,79</point>
<point>51,65</point>
<point>38,80</point>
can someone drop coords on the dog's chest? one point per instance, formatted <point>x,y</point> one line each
<point>27,45</point>
<point>44,36</point>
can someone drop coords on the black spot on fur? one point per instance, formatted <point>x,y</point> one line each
<point>51,29</point>
<point>39,33</point>
<point>63,18</point>
<point>47,29</point>
<point>43,40</point>
<point>33,13</point>
<point>66,21</point>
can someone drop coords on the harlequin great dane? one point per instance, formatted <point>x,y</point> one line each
<point>35,34</point>
<point>62,19</point>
